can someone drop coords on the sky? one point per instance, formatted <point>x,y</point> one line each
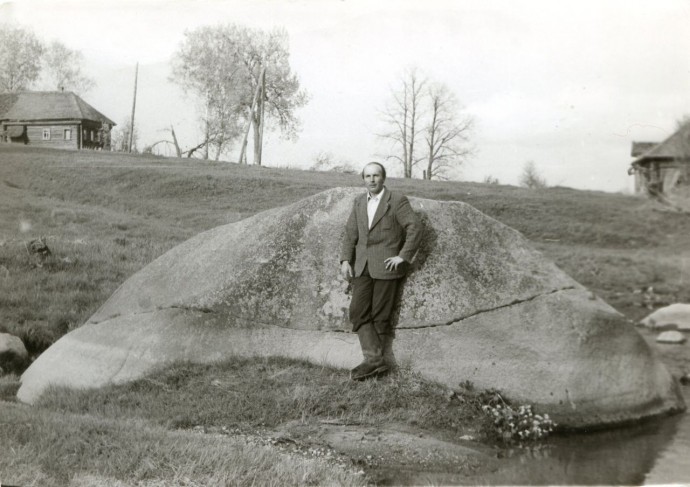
<point>568,85</point>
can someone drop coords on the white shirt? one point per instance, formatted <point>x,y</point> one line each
<point>372,205</point>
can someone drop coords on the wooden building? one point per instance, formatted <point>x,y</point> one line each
<point>660,167</point>
<point>53,119</point>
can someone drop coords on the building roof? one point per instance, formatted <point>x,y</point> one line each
<point>6,102</point>
<point>677,146</point>
<point>639,148</point>
<point>48,105</point>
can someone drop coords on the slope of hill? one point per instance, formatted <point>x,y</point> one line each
<point>105,215</point>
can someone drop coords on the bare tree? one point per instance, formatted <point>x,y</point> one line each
<point>222,125</point>
<point>530,177</point>
<point>62,69</point>
<point>119,139</point>
<point>402,115</point>
<point>447,133</point>
<point>325,161</point>
<point>206,66</point>
<point>20,58</point>
<point>281,95</point>
<point>222,65</point>
<point>151,149</point>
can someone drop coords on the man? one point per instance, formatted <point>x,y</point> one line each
<point>381,237</point>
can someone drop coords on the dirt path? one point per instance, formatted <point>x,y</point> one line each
<point>392,454</point>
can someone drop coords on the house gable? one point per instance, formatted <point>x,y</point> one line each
<point>659,168</point>
<point>676,147</point>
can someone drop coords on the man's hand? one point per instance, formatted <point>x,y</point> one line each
<point>346,270</point>
<point>392,263</point>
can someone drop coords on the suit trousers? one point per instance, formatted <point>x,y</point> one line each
<point>372,302</point>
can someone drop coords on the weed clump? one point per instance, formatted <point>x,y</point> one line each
<point>519,424</point>
<point>503,421</point>
<point>515,424</point>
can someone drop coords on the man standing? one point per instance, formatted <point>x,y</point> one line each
<point>381,237</point>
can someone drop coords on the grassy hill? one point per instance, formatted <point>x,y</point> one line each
<point>106,215</point>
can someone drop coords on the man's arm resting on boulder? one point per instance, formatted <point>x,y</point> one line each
<point>392,263</point>
<point>348,244</point>
<point>346,270</point>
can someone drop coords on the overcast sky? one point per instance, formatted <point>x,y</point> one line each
<point>568,85</point>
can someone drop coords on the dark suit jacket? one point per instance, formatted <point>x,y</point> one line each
<point>396,230</point>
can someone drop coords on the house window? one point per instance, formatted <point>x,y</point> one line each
<point>46,134</point>
<point>68,134</point>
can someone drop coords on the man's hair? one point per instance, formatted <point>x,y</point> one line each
<point>383,169</point>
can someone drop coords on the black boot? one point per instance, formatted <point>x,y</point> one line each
<point>372,350</point>
<point>388,356</point>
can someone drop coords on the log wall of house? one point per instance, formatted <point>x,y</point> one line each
<point>660,173</point>
<point>672,172</point>
<point>82,134</point>
<point>57,138</point>
<point>92,136</point>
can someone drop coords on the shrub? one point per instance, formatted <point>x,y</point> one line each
<point>530,178</point>
<point>518,424</point>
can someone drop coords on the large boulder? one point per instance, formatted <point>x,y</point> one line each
<point>479,304</point>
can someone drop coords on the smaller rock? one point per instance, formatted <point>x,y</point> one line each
<point>673,316</point>
<point>685,379</point>
<point>670,337</point>
<point>38,246</point>
<point>13,354</point>
<point>38,251</point>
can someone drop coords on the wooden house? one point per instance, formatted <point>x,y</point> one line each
<point>660,167</point>
<point>53,119</point>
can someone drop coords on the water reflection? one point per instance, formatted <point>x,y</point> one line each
<point>673,462</point>
<point>653,452</point>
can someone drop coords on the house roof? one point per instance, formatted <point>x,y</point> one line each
<point>48,105</point>
<point>6,102</point>
<point>639,148</point>
<point>677,146</point>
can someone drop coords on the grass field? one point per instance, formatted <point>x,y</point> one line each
<point>106,215</point>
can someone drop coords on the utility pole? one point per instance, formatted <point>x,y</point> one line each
<point>134,105</point>
<point>261,118</point>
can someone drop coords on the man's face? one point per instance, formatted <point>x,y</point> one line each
<point>373,178</point>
